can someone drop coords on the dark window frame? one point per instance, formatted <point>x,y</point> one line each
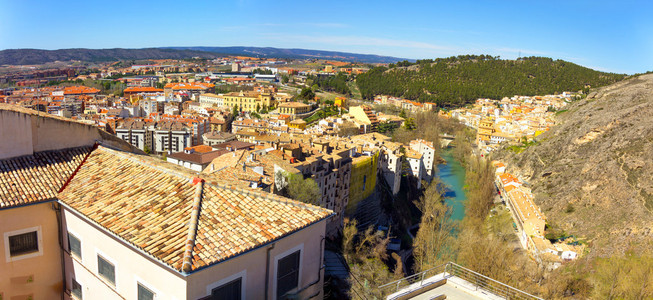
<point>292,274</point>
<point>74,288</point>
<point>71,249</point>
<point>140,287</point>
<point>17,243</point>
<point>105,276</point>
<point>237,296</point>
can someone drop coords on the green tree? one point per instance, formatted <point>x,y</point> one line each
<point>409,124</point>
<point>234,111</point>
<point>304,189</point>
<point>458,80</point>
<point>387,127</point>
<point>306,94</point>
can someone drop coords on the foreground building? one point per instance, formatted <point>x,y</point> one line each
<point>82,220</point>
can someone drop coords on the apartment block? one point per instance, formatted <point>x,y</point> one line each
<point>427,151</point>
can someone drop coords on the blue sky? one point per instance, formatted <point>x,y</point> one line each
<point>614,36</point>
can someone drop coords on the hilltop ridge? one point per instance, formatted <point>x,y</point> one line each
<point>465,78</point>
<point>39,56</point>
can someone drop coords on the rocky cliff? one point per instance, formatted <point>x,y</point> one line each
<point>592,173</point>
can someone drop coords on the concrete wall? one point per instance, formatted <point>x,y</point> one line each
<point>53,134</point>
<point>15,134</point>
<point>251,266</point>
<point>131,267</point>
<point>35,274</point>
<point>23,134</point>
<point>185,164</point>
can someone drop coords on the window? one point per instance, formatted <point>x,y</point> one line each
<point>106,269</point>
<point>229,291</point>
<point>24,243</point>
<point>144,293</point>
<point>74,245</point>
<point>77,290</point>
<point>288,274</point>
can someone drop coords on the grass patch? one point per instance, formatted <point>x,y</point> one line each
<point>520,148</point>
<point>561,111</point>
<point>321,114</point>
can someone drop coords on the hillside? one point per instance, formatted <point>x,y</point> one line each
<point>298,54</point>
<point>459,80</point>
<point>37,56</point>
<point>592,174</point>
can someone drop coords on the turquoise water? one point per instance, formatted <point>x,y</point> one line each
<point>452,174</point>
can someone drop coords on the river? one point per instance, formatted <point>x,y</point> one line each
<point>452,174</point>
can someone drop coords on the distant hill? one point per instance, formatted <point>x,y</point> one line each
<point>592,174</point>
<point>297,54</point>
<point>37,56</point>
<point>459,80</point>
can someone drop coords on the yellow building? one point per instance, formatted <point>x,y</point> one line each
<point>485,130</point>
<point>294,108</point>
<point>298,124</point>
<point>363,180</point>
<point>340,101</point>
<point>365,115</point>
<point>248,101</point>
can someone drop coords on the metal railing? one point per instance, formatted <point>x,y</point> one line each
<point>479,282</point>
<point>397,285</point>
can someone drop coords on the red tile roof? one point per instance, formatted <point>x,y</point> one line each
<point>139,89</point>
<point>78,90</point>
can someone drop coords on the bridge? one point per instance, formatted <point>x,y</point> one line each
<point>445,140</point>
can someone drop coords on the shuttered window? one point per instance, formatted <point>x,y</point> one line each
<point>287,274</point>
<point>229,291</point>
<point>23,243</point>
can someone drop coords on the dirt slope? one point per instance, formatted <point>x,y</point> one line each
<point>592,174</point>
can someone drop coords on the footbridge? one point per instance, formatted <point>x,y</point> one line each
<point>445,140</point>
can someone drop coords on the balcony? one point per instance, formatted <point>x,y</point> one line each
<point>451,281</point>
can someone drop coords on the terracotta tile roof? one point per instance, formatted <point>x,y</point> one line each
<point>190,86</point>
<point>38,177</point>
<point>139,89</point>
<point>293,104</point>
<point>200,149</point>
<point>77,90</point>
<point>164,211</point>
